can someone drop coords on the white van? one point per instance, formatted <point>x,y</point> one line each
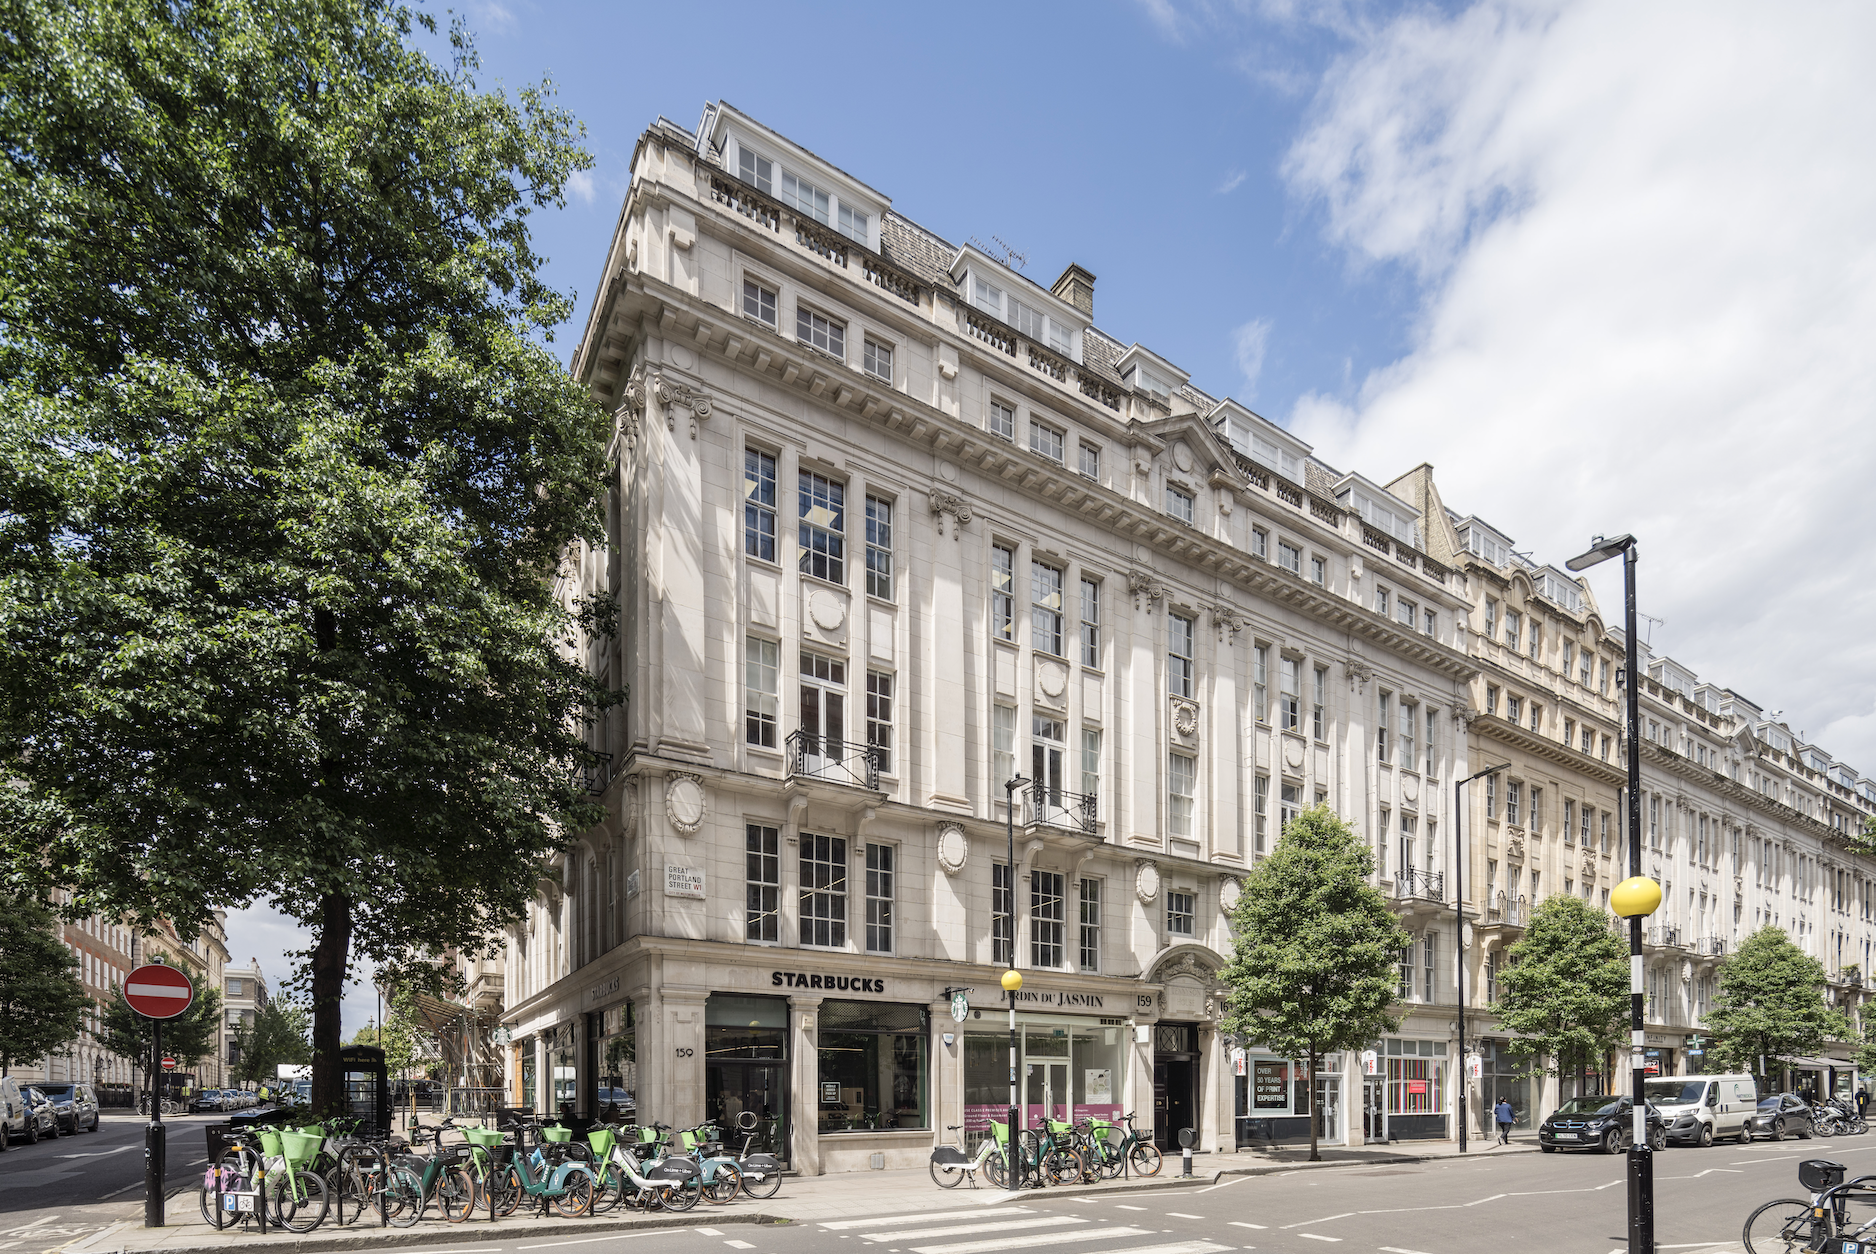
<point>1699,1108</point>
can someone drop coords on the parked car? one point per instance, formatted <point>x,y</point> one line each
<point>1700,1108</point>
<point>75,1105</point>
<point>207,1099</point>
<point>45,1116</point>
<point>1781,1115</point>
<point>1598,1122</point>
<point>13,1120</point>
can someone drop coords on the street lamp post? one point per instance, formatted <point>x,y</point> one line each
<point>1633,899</point>
<point>1012,978</point>
<point>1459,933</point>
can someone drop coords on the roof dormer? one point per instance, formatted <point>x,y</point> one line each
<point>1260,439</point>
<point>1483,541</point>
<point>1034,311</point>
<point>1379,508</point>
<point>1144,370</point>
<point>1559,589</point>
<point>811,188</point>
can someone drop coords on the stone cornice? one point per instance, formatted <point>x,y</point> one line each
<point>1506,732</point>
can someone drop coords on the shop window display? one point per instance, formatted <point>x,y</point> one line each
<point>1073,1070</point>
<point>615,1099</point>
<point>872,1068</point>
<point>745,1067</point>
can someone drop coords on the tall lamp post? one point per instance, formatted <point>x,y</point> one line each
<point>1633,898</point>
<point>1459,933</point>
<point>1012,978</point>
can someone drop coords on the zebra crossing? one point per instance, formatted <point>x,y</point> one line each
<point>1015,1228</point>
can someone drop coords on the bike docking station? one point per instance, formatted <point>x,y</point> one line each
<point>157,992</point>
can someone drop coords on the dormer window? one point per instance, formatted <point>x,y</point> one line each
<point>758,172</point>
<point>1391,516</point>
<point>1038,326</point>
<point>1483,543</point>
<point>987,296</point>
<point>853,224</point>
<point>1146,381</point>
<point>805,197</point>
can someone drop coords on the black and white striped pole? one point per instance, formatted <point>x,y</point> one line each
<point>1634,899</point>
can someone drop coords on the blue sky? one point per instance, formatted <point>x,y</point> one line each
<point>1608,265</point>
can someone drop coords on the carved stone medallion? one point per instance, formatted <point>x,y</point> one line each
<point>1230,892</point>
<point>953,847</point>
<point>1146,882</point>
<point>1185,718</point>
<point>826,609</point>
<point>1051,677</point>
<point>684,801</point>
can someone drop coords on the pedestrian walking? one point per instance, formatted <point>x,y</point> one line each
<point>1862,1103</point>
<point>1504,1116</point>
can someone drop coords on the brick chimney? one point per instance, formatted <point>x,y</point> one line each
<point>1076,286</point>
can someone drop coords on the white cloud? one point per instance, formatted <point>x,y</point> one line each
<point>492,16</point>
<point>1248,343</point>
<point>580,183</point>
<point>1647,237</point>
<point>1166,17</point>
<point>1232,182</point>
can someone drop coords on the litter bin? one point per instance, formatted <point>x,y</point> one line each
<point>218,1141</point>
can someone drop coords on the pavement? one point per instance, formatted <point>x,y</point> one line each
<point>1421,1198</point>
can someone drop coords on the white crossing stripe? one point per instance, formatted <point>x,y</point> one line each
<point>835,1225</point>
<point>1045,1221</point>
<point>1394,1249</point>
<point>1179,1214</point>
<point>1313,1237</point>
<point>739,1245</point>
<point>709,1232</point>
<point>1124,1206</point>
<point>1239,1223</point>
<point>1028,1242</point>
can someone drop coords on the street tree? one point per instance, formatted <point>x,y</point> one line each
<point>1563,991</point>
<point>191,1036</point>
<point>1770,1002</point>
<point>278,1035</point>
<point>42,1000</point>
<point>289,474</point>
<point>1314,949</point>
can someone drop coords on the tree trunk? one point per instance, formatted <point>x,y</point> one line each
<point>330,957</point>
<point>1315,1107</point>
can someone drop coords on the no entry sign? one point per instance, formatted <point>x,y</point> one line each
<point>169,1064</point>
<point>158,992</point>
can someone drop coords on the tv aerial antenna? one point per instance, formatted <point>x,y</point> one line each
<point>1003,252</point>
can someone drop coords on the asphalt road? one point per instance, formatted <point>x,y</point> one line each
<point>1562,1203</point>
<point>70,1186</point>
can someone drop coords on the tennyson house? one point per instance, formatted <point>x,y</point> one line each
<point>893,524</point>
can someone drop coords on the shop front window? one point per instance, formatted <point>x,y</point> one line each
<point>872,1068</point>
<point>745,1067</point>
<point>615,1098</point>
<point>1072,1069</point>
<point>529,1069</point>
<point>1416,1077</point>
<point>561,1059</point>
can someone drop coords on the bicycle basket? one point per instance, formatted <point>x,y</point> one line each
<point>300,1147</point>
<point>1818,1174</point>
<point>487,1138</point>
<point>557,1134</point>
<point>1001,1131</point>
<point>1058,1128</point>
<point>686,1141</point>
<point>601,1141</point>
<point>270,1142</point>
<point>648,1136</point>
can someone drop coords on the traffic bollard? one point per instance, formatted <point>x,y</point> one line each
<point>1186,1137</point>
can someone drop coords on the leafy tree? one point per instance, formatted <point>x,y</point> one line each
<point>277,1035</point>
<point>1314,948</point>
<point>42,1000</point>
<point>1770,1002</point>
<point>289,473</point>
<point>191,1036</point>
<point>1564,991</point>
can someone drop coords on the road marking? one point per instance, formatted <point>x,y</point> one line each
<point>1124,1206</point>
<point>1239,1223</point>
<point>709,1232</point>
<point>1313,1237</point>
<point>1179,1214</point>
<point>1221,1184</point>
<point>739,1245</point>
<point>1395,1249</point>
<point>1325,1219</point>
<point>95,1153</point>
<point>1046,1221</point>
<point>835,1225</point>
<point>1025,1242</point>
<point>613,1236</point>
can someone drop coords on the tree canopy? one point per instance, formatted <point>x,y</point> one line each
<point>279,1034</point>
<point>1770,1002</point>
<point>42,1000</point>
<point>1314,948</point>
<point>1564,991</point>
<point>289,474</point>
<point>191,1036</point>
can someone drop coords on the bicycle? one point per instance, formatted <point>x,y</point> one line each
<point>1140,1155</point>
<point>664,1184</point>
<point>1789,1225</point>
<point>276,1164</point>
<point>1057,1157</point>
<point>443,1175</point>
<point>950,1166</point>
<point>761,1173</point>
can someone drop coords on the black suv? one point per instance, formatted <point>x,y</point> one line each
<point>1598,1123</point>
<point>73,1105</point>
<point>1779,1116</point>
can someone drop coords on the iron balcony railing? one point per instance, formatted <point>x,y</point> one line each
<point>1054,808</point>
<point>1665,936</point>
<point>1712,946</point>
<point>1428,885</point>
<point>813,756</point>
<point>596,776</point>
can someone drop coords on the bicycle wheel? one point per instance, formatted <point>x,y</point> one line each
<point>680,1197</point>
<point>404,1201</point>
<point>767,1186</point>
<point>1145,1159</point>
<point>349,1191</point>
<point>231,1179</point>
<point>993,1170</point>
<point>456,1194</point>
<point>296,1200</point>
<point>1061,1166</point>
<point>576,1198</point>
<point>609,1191</point>
<point>724,1185</point>
<point>1780,1227</point>
<point>508,1192</point>
<point>946,1177</point>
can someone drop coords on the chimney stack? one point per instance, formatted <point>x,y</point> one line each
<point>1076,286</point>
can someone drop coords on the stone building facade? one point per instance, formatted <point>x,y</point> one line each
<point>893,524</point>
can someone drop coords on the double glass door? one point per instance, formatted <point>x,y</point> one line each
<point>1045,1091</point>
<point>823,712</point>
<point>1373,1104</point>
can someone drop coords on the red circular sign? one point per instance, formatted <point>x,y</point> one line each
<point>169,1064</point>
<point>158,992</point>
